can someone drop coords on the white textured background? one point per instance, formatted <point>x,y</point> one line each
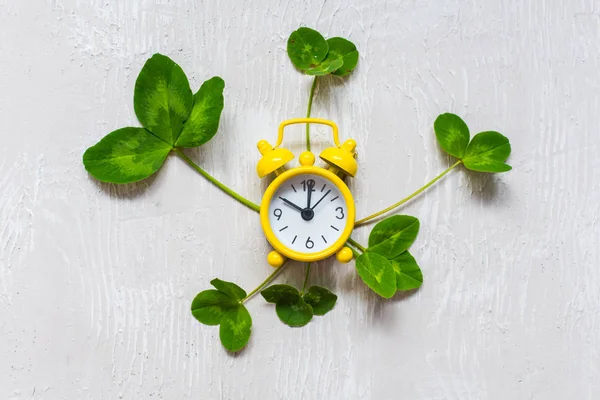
<point>96,280</point>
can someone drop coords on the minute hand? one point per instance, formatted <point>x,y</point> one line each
<point>321,199</point>
<point>310,184</point>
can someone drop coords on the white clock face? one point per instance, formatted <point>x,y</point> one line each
<point>308,213</point>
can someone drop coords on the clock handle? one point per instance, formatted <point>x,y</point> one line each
<point>341,158</point>
<point>327,122</point>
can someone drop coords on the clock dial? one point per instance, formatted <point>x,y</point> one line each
<point>308,213</point>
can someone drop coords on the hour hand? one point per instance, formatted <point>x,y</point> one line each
<point>289,203</point>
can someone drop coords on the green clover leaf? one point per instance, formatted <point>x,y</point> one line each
<point>206,113</point>
<point>291,308</point>
<point>294,311</point>
<point>325,68</point>
<point>452,133</point>
<point>344,50</point>
<point>377,273</point>
<point>306,48</point>
<point>229,288</point>
<point>162,98</point>
<point>393,236</point>
<point>487,153</point>
<point>126,155</point>
<point>235,329</point>
<point>320,299</point>
<point>224,307</point>
<point>380,266</point>
<point>171,116</point>
<point>408,273</point>
<point>210,305</point>
<point>275,293</point>
<point>312,54</point>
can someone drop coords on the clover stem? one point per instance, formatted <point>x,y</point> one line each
<point>355,253</point>
<point>305,278</point>
<point>310,101</point>
<point>269,279</point>
<point>356,244</point>
<point>404,200</point>
<point>215,182</point>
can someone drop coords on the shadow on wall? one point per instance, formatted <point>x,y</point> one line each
<point>127,191</point>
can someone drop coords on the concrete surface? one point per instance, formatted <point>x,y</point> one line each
<point>96,280</point>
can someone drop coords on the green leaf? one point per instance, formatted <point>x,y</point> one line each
<point>325,68</point>
<point>393,235</point>
<point>452,133</point>
<point>236,326</point>
<point>377,273</point>
<point>408,273</point>
<point>275,293</point>
<point>210,305</point>
<point>487,153</point>
<point>229,288</point>
<point>294,311</point>
<point>291,309</point>
<point>345,50</point>
<point>162,98</point>
<point>206,113</point>
<point>320,299</point>
<point>126,155</point>
<point>306,48</point>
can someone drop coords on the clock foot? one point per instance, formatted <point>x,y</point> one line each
<point>344,255</point>
<point>275,259</point>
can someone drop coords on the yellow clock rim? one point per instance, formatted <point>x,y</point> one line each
<point>283,249</point>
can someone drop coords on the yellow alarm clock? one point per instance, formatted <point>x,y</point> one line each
<point>307,212</point>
